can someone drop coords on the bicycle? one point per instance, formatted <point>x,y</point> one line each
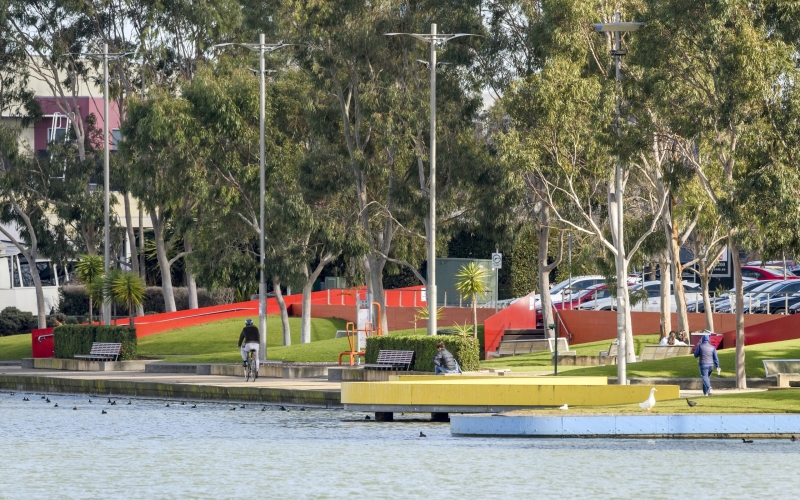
<point>250,369</point>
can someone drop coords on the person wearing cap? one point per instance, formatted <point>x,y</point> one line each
<point>708,360</point>
<point>251,338</point>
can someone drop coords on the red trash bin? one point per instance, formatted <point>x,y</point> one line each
<point>42,343</point>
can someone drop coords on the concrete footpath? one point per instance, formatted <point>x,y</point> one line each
<point>189,387</point>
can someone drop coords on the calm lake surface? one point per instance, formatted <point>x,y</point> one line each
<point>148,450</point>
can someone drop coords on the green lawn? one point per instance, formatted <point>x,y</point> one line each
<point>215,342</point>
<point>680,367</point>
<point>15,347</point>
<point>536,361</point>
<point>779,401</point>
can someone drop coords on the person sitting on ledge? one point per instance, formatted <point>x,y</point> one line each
<point>681,339</point>
<point>444,361</point>
<point>665,340</point>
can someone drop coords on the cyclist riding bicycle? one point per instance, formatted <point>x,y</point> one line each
<point>251,339</point>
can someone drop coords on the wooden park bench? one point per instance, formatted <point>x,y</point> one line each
<point>392,360</point>
<point>652,352</point>
<point>611,352</point>
<point>102,351</point>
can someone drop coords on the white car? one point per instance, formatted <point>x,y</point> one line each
<point>653,301</point>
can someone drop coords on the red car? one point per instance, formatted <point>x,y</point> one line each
<point>760,273</point>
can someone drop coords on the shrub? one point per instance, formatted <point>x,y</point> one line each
<point>70,340</point>
<point>13,321</point>
<point>465,349</point>
<point>74,301</point>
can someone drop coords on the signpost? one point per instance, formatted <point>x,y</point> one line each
<point>497,264</point>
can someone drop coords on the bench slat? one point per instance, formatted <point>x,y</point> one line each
<point>102,351</point>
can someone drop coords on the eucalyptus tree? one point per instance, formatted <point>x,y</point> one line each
<point>709,70</point>
<point>372,114</point>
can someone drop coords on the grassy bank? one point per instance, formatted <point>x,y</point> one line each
<point>215,342</point>
<point>15,347</point>
<point>783,401</point>
<point>680,367</point>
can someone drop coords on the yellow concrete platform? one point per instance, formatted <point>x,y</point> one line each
<point>529,379</point>
<point>461,395</point>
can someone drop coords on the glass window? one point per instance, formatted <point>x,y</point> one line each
<point>60,133</point>
<point>46,273</point>
<point>25,270</point>
<point>115,137</point>
<point>15,273</point>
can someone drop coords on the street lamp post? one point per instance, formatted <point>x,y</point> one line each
<point>618,28</point>
<point>261,48</point>
<point>105,57</point>
<point>434,39</point>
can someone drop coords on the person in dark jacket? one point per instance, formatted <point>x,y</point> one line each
<point>251,339</point>
<point>444,361</point>
<point>708,360</point>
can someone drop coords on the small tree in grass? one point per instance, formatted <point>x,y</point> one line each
<point>422,314</point>
<point>126,288</point>
<point>473,282</point>
<point>89,271</point>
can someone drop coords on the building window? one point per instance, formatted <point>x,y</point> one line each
<point>115,139</point>
<point>59,136</point>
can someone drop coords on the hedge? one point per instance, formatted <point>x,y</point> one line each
<point>70,340</point>
<point>465,349</point>
<point>73,300</point>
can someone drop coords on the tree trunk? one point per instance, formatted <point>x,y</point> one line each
<point>91,310</point>
<point>163,264</point>
<point>311,278</point>
<point>475,315</point>
<point>142,267</point>
<point>37,283</point>
<point>677,271</point>
<point>287,333</point>
<point>741,376</point>
<point>544,279</point>
<point>305,320</point>
<point>131,237</point>
<point>376,265</point>
<point>191,283</point>
<point>709,311</point>
<point>665,309</point>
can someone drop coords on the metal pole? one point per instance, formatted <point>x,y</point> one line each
<point>432,191</point>
<point>622,360</point>
<point>106,187</point>
<point>262,282</point>
<point>569,258</point>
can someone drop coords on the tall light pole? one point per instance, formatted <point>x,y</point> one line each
<point>434,39</point>
<point>261,48</point>
<point>105,57</point>
<point>617,28</point>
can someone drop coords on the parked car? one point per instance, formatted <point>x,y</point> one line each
<point>578,283</point>
<point>762,273</point>
<point>593,293</point>
<point>752,298</point>
<point>723,299</point>
<point>652,302</point>
<point>779,300</point>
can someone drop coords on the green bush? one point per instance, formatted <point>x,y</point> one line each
<point>13,321</point>
<point>70,340</point>
<point>465,349</point>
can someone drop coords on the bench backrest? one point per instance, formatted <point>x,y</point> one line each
<point>395,357</point>
<point>563,344</point>
<point>106,348</point>
<point>773,367</point>
<point>506,348</point>
<point>651,352</point>
<point>613,349</point>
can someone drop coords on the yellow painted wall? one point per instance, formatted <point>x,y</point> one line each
<point>515,392</point>
<point>493,379</point>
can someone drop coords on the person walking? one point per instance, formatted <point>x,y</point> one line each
<point>708,360</point>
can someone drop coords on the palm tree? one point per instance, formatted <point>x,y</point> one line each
<point>422,314</point>
<point>126,288</point>
<point>473,281</point>
<point>89,271</point>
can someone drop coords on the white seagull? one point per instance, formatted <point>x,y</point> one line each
<point>565,407</point>
<point>650,402</point>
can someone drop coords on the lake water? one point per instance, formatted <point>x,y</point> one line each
<point>148,450</point>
